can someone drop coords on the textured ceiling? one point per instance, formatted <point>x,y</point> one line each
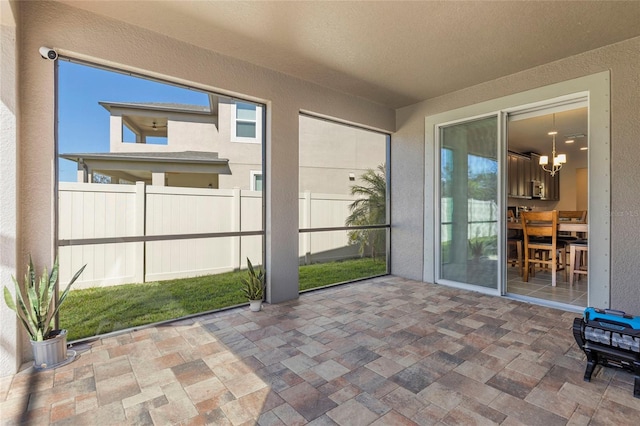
<point>392,53</point>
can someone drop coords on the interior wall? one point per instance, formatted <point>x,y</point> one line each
<point>82,35</point>
<point>569,191</point>
<point>408,159</point>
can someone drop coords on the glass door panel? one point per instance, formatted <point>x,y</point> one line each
<point>469,214</point>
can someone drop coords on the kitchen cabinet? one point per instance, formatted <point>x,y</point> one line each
<point>550,183</point>
<point>519,176</point>
<point>552,187</point>
<point>522,169</point>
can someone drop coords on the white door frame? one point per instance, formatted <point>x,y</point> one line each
<point>597,89</point>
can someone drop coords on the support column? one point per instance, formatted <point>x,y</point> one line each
<point>158,179</point>
<point>82,173</point>
<point>236,221</point>
<point>306,237</point>
<point>140,212</point>
<point>11,347</point>
<point>282,202</point>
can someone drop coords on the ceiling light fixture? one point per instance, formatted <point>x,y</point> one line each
<point>569,141</point>
<point>575,136</point>
<point>558,160</point>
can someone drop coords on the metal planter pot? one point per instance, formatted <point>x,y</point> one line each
<point>52,352</point>
<point>255,305</point>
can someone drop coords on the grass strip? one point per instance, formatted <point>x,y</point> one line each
<point>100,310</point>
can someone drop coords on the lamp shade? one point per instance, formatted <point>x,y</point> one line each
<point>544,160</point>
<point>562,158</point>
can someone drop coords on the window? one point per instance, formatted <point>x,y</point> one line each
<point>246,123</point>
<point>167,230</point>
<point>469,202</point>
<point>256,180</point>
<point>344,230</point>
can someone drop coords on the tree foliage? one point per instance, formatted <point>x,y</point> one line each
<point>370,208</point>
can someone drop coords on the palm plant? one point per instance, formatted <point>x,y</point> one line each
<point>370,208</point>
<point>34,302</point>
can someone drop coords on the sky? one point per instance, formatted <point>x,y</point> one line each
<point>83,124</point>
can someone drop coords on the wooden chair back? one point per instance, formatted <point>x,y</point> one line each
<point>540,224</point>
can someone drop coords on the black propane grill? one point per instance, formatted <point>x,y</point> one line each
<point>610,338</point>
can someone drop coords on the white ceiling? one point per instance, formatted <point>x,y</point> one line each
<point>392,53</point>
<point>531,134</point>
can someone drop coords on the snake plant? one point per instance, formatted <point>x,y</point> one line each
<point>34,301</point>
<point>253,282</point>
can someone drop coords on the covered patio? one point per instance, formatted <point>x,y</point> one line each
<point>383,351</point>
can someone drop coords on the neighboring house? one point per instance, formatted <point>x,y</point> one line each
<point>164,144</point>
<point>220,146</point>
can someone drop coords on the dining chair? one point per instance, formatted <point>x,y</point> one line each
<point>541,245</point>
<point>514,245</point>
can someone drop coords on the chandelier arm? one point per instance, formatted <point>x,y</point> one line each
<point>553,170</point>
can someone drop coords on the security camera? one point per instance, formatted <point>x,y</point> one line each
<point>48,53</point>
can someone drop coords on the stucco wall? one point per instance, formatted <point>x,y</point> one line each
<point>86,36</point>
<point>408,153</point>
<point>9,178</point>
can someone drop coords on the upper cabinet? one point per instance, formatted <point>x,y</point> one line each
<point>550,184</point>
<point>522,170</point>
<point>519,178</point>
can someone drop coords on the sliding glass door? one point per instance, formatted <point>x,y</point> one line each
<point>468,203</point>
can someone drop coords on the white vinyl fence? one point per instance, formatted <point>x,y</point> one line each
<point>482,218</point>
<point>92,211</point>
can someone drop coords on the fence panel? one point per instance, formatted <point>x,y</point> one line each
<point>96,211</point>
<point>175,211</point>
<point>102,210</point>
<point>329,210</point>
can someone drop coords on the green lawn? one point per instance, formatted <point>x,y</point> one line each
<point>321,274</point>
<point>94,311</point>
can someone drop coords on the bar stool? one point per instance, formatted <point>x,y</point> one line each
<point>515,243</point>
<point>578,251</point>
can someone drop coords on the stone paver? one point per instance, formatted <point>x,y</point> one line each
<point>386,351</point>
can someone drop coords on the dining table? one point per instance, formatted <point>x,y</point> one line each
<point>563,226</point>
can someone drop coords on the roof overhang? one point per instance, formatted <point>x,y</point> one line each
<point>167,162</point>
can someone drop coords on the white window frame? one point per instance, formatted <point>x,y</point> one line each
<point>234,137</point>
<point>252,184</point>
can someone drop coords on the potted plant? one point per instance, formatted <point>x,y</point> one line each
<point>36,307</point>
<point>254,286</point>
<point>476,247</point>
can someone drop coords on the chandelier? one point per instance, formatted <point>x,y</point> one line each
<point>558,160</point>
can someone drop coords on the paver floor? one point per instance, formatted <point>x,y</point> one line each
<point>387,351</point>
